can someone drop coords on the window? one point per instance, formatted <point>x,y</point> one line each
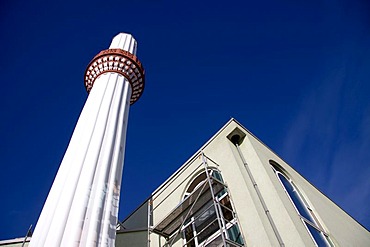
<point>203,227</point>
<point>304,210</point>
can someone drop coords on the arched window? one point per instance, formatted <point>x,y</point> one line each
<point>203,227</point>
<point>304,210</point>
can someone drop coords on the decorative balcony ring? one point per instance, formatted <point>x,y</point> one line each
<point>121,62</point>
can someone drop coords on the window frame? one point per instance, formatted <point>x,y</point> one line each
<point>314,222</point>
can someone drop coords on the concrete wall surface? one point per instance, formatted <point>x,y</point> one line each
<point>256,228</point>
<point>134,239</point>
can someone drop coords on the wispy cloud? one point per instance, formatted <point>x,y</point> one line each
<point>349,177</point>
<point>314,129</point>
<point>329,138</point>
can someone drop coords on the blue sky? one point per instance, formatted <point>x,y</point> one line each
<point>295,73</point>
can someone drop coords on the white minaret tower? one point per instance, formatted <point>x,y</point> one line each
<point>82,205</point>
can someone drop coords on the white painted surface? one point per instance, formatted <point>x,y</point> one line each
<point>254,225</point>
<point>82,205</point>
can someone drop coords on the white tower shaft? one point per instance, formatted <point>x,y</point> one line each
<point>82,205</point>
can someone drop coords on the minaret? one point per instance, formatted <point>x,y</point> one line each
<point>82,205</point>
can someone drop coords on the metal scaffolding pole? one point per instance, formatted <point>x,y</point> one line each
<point>179,230</point>
<point>214,199</point>
<point>203,201</point>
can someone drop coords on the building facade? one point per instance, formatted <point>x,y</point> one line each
<point>235,191</point>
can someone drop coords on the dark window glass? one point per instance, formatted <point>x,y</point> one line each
<point>208,231</point>
<point>217,175</point>
<point>318,236</point>
<point>206,222</point>
<point>235,235</point>
<point>189,236</point>
<point>293,193</point>
<point>227,208</point>
<point>304,211</point>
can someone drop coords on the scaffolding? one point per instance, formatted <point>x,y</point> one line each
<point>205,217</point>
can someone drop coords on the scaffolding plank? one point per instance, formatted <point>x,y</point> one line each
<point>176,217</point>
